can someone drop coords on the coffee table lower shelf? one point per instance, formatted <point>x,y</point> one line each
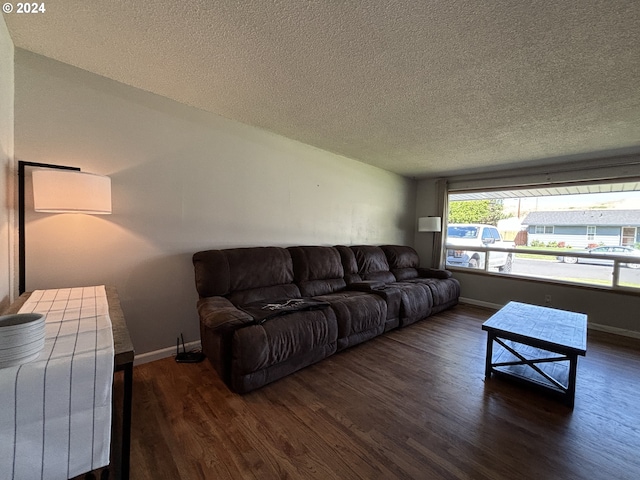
<point>536,367</point>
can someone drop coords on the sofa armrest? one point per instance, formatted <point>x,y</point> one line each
<point>366,286</point>
<point>434,273</point>
<point>219,320</point>
<point>219,313</point>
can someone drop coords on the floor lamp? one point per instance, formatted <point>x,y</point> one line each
<point>433,225</point>
<point>59,189</point>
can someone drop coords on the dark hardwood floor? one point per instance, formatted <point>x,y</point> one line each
<point>411,404</point>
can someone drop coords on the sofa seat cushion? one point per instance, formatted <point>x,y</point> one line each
<point>360,316</point>
<point>266,310</point>
<point>390,294</point>
<point>416,302</point>
<point>445,292</point>
<point>280,346</point>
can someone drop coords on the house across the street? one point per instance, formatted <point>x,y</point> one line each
<point>583,228</point>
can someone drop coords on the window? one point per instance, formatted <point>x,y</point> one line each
<point>544,229</point>
<point>584,234</point>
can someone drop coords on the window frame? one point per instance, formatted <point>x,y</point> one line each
<point>618,261</point>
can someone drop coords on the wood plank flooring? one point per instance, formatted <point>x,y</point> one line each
<point>411,404</point>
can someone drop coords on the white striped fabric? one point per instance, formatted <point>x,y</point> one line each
<point>55,412</point>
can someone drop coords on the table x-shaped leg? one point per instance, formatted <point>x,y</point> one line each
<point>532,363</point>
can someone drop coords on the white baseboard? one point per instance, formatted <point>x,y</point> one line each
<point>164,353</point>
<point>591,326</point>
<point>615,330</point>
<point>480,303</point>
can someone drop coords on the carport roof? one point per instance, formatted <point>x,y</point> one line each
<point>547,191</point>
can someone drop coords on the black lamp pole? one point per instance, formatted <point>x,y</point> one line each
<point>21,202</point>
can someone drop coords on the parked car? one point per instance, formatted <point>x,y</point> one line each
<point>615,250</point>
<point>460,236</point>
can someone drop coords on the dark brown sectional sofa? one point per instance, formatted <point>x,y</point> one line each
<point>266,312</point>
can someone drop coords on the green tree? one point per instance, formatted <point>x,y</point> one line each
<point>476,211</point>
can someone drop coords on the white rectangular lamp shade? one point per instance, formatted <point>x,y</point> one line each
<point>70,191</point>
<point>429,224</point>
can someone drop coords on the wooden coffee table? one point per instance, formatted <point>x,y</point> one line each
<point>537,345</point>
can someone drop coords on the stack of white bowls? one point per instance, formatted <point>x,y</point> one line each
<point>21,338</point>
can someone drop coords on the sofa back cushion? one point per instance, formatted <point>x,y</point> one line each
<point>245,274</point>
<point>372,263</point>
<point>212,273</point>
<point>317,270</point>
<point>349,264</point>
<point>403,261</point>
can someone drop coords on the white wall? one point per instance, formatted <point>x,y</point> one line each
<point>616,311</point>
<point>183,180</point>
<point>6,165</point>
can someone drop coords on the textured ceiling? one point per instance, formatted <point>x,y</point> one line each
<point>420,88</point>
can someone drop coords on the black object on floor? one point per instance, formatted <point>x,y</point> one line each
<point>187,357</point>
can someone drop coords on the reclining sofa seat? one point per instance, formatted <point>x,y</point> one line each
<point>404,263</point>
<point>319,273</point>
<point>392,296</point>
<point>415,300</point>
<point>245,354</point>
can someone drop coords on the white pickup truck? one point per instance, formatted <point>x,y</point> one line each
<point>461,235</point>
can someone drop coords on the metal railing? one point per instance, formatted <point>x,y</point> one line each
<point>618,260</point>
